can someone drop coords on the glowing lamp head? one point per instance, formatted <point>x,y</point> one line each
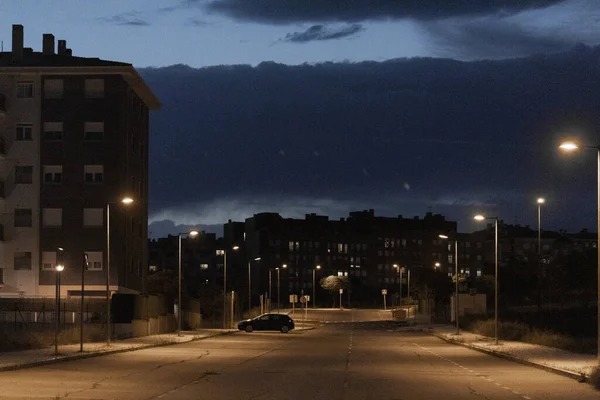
<point>236,247</point>
<point>257,259</point>
<point>284,266</point>
<point>126,200</point>
<point>60,267</point>
<point>568,146</point>
<point>443,236</point>
<point>541,200</point>
<point>437,264</point>
<point>396,266</point>
<point>479,217</point>
<point>318,267</point>
<point>193,233</point>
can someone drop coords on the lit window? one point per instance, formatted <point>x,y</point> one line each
<point>53,88</point>
<point>340,247</point>
<point>52,174</point>
<point>52,216</point>
<point>93,131</point>
<point>220,252</point>
<point>24,132</point>
<point>93,217</point>
<point>94,260</point>
<point>340,273</point>
<point>93,173</point>
<point>478,273</point>
<point>450,258</point>
<point>24,89</point>
<point>203,266</point>
<point>153,268</point>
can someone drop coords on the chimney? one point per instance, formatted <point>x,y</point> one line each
<point>68,52</point>
<point>62,47</point>
<point>17,41</point>
<point>48,44</point>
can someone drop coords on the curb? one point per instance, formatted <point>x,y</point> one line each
<point>558,371</point>
<point>84,356</point>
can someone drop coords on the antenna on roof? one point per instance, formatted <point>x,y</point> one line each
<point>2,46</point>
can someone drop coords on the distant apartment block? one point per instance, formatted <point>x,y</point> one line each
<point>73,138</point>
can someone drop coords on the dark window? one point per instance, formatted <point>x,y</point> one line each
<point>23,217</point>
<point>53,131</point>
<point>53,177</point>
<point>22,260</point>
<point>24,132</point>
<point>23,174</point>
<point>24,89</point>
<point>93,136</point>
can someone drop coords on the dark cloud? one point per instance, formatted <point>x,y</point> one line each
<point>125,19</point>
<point>197,23</point>
<point>321,32</point>
<point>429,132</point>
<point>290,11</point>
<point>491,38</point>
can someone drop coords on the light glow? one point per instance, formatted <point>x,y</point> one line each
<point>193,233</point>
<point>443,236</point>
<point>541,200</point>
<point>235,247</point>
<point>479,217</point>
<point>257,259</point>
<point>318,267</point>
<point>568,146</point>
<point>127,200</point>
<point>60,267</point>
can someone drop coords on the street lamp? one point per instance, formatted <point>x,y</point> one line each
<point>126,201</point>
<point>192,233</point>
<point>314,284</point>
<point>278,286</point>
<point>234,248</point>
<point>60,266</point>
<point>456,275</point>
<point>400,277</point>
<point>250,287</point>
<point>480,217</point>
<point>539,202</point>
<point>572,146</point>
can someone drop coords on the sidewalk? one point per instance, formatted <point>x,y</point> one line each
<point>574,365</point>
<point>32,358</point>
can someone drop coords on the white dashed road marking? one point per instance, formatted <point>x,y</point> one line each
<point>473,372</point>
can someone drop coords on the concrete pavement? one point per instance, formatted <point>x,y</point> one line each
<point>351,360</point>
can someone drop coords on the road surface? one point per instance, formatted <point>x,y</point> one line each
<point>351,360</point>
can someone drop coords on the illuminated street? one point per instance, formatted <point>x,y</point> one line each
<point>352,360</point>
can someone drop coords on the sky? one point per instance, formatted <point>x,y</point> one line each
<point>299,106</point>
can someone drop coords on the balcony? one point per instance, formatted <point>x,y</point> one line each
<point>2,104</point>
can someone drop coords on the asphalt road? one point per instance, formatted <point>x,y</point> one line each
<point>352,360</point>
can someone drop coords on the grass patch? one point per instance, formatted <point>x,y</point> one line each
<point>517,331</point>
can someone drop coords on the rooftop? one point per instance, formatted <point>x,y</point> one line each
<point>39,59</point>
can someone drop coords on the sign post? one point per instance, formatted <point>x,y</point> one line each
<point>293,300</point>
<point>384,293</point>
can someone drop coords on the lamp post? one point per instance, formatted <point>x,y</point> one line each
<point>400,277</point>
<point>192,233</point>
<point>126,201</point>
<point>456,276</point>
<point>270,290</point>
<point>279,287</point>
<point>250,286</point>
<point>60,266</point>
<point>572,146</point>
<point>234,248</point>
<point>314,286</point>
<point>540,201</point>
<point>84,267</point>
<point>480,217</point>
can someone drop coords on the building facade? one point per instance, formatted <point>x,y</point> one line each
<point>74,138</point>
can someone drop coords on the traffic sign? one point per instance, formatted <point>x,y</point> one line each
<point>384,291</point>
<point>303,299</point>
<point>293,298</point>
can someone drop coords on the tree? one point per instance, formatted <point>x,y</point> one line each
<point>163,283</point>
<point>334,284</point>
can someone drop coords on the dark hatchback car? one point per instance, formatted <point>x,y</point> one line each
<point>267,322</point>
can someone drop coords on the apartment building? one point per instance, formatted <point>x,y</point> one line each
<point>73,139</point>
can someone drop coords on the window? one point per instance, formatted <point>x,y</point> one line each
<point>93,173</point>
<point>203,266</point>
<point>478,273</point>
<point>24,132</point>
<point>52,174</point>
<point>94,260</point>
<point>153,268</point>
<point>25,89</point>
<point>23,174</point>
<point>450,258</point>
<point>93,217</point>
<point>53,130</point>
<point>52,216</point>
<point>53,89</point>
<point>48,260</point>
<point>23,217</point>
<point>220,252</point>
<point>94,88</point>
<point>93,131</point>
<point>479,245</point>
<point>22,260</point>
<point>478,257</point>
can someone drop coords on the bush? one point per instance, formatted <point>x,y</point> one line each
<point>595,378</point>
<point>506,330</point>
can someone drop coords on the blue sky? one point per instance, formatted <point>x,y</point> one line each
<point>161,32</point>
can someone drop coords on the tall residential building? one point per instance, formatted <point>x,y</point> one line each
<point>73,138</point>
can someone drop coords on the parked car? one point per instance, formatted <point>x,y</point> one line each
<point>267,322</point>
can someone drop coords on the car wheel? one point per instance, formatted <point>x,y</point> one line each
<point>249,328</point>
<point>285,329</point>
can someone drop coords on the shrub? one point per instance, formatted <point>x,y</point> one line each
<point>595,378</point>
<point>506,330</point>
